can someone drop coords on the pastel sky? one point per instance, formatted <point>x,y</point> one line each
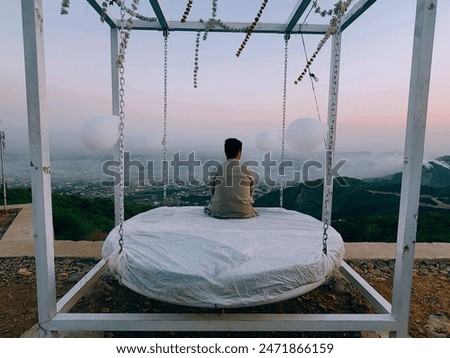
<point>235,96</point>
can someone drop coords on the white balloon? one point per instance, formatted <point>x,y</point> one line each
<point>266,140</point>
<point>100,132</point>
<point>305,134</point>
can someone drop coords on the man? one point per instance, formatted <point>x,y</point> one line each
<point>232,186</point>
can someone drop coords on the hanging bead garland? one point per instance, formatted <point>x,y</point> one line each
<point>128,27</point>
<point>318,10</point>
<point>130,11</point>
<point>214,8</point>
<point>103,11</point>
<point>104,7</point>
<point>335,22</point>
<point>189,6</point>
<point>211,23</point>
<point>197,46</point>
<point>65,7</point>
<point>187,10</point>
<point>251,28</point>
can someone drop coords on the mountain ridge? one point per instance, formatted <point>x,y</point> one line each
<point>367,209</point>
<point>435,173</point>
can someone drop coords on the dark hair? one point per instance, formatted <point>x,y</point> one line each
<point>232,147</point>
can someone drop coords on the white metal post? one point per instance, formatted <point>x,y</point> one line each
<point>115,87</point>
<point>413,158</point>
<point>332,116</point>
<point>33,38</point>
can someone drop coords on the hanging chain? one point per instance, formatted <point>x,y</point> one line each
<point>327,206</point>
<point>121,67</point>
<point>2,139</point>
<point>283,121</point>
<point>165,162</point>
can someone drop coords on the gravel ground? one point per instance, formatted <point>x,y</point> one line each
<point>430,303</point>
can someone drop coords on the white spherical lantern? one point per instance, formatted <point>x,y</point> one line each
<point>266,140</point>
<point>100,132</point>
<point>305,134</point>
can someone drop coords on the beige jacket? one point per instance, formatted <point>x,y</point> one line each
<point>232,187</point>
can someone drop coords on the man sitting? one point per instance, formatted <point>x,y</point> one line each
<point>232,186</point>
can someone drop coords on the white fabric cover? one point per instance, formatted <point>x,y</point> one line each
<point>181,255</point>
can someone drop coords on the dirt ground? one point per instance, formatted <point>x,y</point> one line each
<point>18,308</point>
<point>430,300</point>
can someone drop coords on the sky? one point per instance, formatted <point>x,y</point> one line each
<point>236,97</point>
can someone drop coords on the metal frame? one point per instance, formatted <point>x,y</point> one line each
<point>53,315</point>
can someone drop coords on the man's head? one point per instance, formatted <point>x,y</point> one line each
<point>233,148</point>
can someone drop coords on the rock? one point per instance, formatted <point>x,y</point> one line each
<point>376,272</point>
<point>75,277</point>
<point>375,334</point>
<point>62,276</point>
<point>438,326</point>
<point>392,265</point>
<point>101,289</point>
<point>340,284</point>
<point>24,272</point>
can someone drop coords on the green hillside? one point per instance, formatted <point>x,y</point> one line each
<point>368,210</point>
<point>352,199</point>
<point>76,218</point>
<point>362,210</point>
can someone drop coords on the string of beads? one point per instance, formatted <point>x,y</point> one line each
<point>251,28</point>
<point>335,22</point>
<point>187,10</point>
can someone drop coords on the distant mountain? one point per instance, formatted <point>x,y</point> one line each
<point>367,210</point>
<point>351,197</point>
<point>435,174</point>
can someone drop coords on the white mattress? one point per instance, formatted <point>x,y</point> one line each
<point>181,255</point>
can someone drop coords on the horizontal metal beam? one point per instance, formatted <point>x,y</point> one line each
<point>231,27</point>
<point>291,26</point>
<point>97,6</point>
<point>356,11</point>
<point>296,14</point>
<point>378,301</point>
<point>220,322</point>
<point>75,293</point>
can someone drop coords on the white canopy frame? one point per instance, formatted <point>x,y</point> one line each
<point>53,315</point>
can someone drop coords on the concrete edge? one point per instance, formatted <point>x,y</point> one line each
<point>18,241</point>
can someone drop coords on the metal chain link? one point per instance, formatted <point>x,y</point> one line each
<point>121,67</point>
<point>3,139</point>
<point>165,162</point>
<point>283,121</point>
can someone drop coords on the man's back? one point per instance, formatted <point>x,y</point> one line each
<point>232,188</point>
